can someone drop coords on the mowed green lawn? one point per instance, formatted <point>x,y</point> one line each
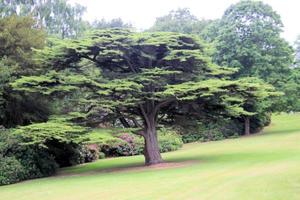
<point>260,167</point>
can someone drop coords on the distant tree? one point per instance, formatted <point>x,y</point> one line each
<point>142,78</point>
<point>58,17</point>
<point>290,101</point>
<point>211,31</point>
<point>10,7</point>
<point>114,23</point>
<point>17,39</point>
<point>297,52</point>
<point>248,38</point>
<point>180,21</point>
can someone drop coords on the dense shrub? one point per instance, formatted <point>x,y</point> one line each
<point>117,142</point>
<point>120,147</point>
<point>65,154</point>
<point>134,144</point>
<point>58,139</point>
<point>43,156</point>
<point>38,150</point>
<point>219,129</point>
<point>259,121</point>
<point>193,131</point>
<point>169,140</point>
<point>90,152</point>
<point>101,155</point>
<point>11,170</point>
<point>36,162</point>
<point>30,161</point>
<point>58,129</point>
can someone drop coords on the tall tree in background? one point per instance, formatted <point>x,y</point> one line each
<point>58,17</point>
<point>297,52</point>
<point>291,100</point>
<point>248,38</point>
<point>114,23</point>
<point>18,37</point>
<point>180,21</point>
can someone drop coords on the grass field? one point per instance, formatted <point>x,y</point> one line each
<point>265,166</point>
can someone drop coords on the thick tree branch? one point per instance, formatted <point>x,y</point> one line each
<point>145,116</point>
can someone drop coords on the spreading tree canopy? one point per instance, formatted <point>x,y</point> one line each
<point>142,78</point>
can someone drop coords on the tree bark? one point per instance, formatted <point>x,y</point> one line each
<point>151,148</point>
<point>247,125</point>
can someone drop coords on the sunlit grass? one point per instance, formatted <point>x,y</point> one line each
<point>262,167</point>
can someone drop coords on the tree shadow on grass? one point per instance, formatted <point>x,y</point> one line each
<point>170,163</point>
<point>284,131</point>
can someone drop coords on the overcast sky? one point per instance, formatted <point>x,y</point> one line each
<point>142,13</point>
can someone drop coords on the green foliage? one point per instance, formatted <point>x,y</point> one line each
<point>180,21</point>
<point>116,142</point>
<point>219,127</point>
<point>248,38</point>
<point>135,81</point>
<point>11,170</point>
<point>142,78</point>
<point>208,130</point>
<point>22,162</point>
<point>91,153</point>
<point>290,100</point>
<point>101,155</point>
<point>54,129</point>
<point>18,39</point>
<point>297,51</point>
<point>113,23</point>
<point>36,162</point>
<point>58,17</point>
<point>265,166</point>
<point>41,83</point>
<point>122,142</point>
<point>24,109</point>
<point>259,121</point>
<point>169,140</point>
<point>290,86</point>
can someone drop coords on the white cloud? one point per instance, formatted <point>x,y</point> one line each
<point>142,13</point>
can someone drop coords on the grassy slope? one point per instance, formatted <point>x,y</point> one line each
<point>262,167</point>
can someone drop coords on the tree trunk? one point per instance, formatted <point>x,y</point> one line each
<point>151,148</point>
<point>247,125</point>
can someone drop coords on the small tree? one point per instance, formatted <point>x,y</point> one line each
<point>140,77</point>
<point>256,100</point>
